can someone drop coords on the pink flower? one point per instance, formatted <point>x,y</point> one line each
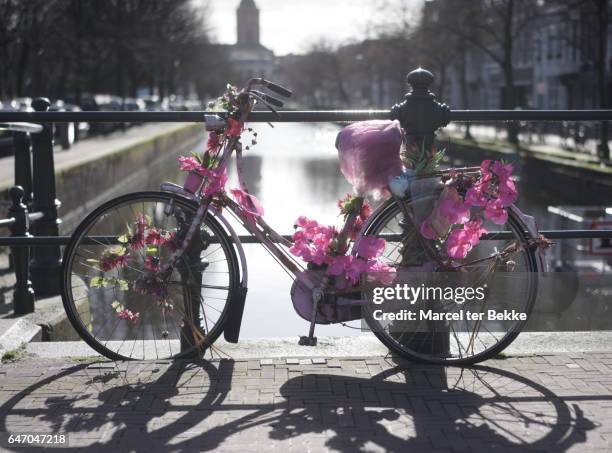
<point>427,230</point>
<point>137,241</point>
<point>474,230</point>
<point>337,265</point>
<point>485,166</point>
<point>366,210</point>
<point>153,237</point>
<point>301,249</point>
<point>462,240</point>
<point>113,258</point>
<point>452,207</point>
<point>169,240</point>
<point>502,171</point>
<point>476,195</point>
<point>458,244</point>
<point>235,127</point>
<point>152,263</point>
<point>495,212</point>
<point>312,241</point>
<point>357,267</point>
<point>249,203</point>
<point>301,221</point>
<point>189,163</point>
<point>357,226</point>
<point>507,192</point>
<point>127,314</point>
<point>434,226</point>
<point>386,273</point>
<point>216,180</point>
<point>370,247</point>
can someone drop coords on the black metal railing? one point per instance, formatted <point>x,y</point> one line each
<point>419,114</point>
<point>306,116</point>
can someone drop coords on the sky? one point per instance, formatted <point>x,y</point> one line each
<point>290,26</point>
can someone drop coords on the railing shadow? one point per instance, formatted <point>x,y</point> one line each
<point>189,406</point>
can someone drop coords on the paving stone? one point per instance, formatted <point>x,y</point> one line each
<point>317,404</point>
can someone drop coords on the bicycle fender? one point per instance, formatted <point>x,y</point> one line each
<point>231,330</point>
<point>531,227</point>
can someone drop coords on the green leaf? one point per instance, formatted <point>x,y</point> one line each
<point>123,285</point>
<point>97,282</point>
<point>123,239</point>
<point>117,306</point>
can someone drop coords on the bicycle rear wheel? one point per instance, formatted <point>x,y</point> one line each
<point>116,293</point>
<point>458,342</point>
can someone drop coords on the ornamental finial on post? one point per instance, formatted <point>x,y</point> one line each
<point>420,114</point>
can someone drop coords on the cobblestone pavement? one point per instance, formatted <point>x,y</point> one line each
<point>531,403</point>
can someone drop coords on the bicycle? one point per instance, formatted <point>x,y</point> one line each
<point>156,275</point>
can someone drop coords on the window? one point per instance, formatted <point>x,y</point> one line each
<point>550,42</point>
<point>553,93</point>
<point>574,40</point>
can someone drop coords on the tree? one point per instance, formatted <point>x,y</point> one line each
<point>492,27</point>
<point>592,18</point>
<point>61,47</point>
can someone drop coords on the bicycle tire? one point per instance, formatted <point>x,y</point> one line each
<point>392,209</point>
<point>146,197</point>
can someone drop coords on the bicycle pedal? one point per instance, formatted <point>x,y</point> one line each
<point>307,341</point>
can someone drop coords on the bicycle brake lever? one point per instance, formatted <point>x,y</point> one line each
<point>272,109</point>
<point>267,98</point>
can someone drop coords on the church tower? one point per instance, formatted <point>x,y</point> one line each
<point>248,24</point>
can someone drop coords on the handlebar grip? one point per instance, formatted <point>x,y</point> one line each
<point>278,89</point>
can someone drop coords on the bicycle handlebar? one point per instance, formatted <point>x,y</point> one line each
<point>277,88</point>
<point>269,99</point>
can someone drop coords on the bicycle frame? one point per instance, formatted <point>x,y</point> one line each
<point>318,284</point>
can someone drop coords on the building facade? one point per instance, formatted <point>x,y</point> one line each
<point>554,65</point>
<point>248,56</point>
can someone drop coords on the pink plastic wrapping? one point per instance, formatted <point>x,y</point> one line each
<point>369,154</point>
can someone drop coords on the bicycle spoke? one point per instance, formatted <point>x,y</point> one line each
<point>112,326</point>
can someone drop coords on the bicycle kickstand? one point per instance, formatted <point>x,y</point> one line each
<point>311,340</point>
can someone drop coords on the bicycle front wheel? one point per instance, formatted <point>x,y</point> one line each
<point>461,341</point>
<point>128,298</point>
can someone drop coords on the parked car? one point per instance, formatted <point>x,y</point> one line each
<point>97,103</point>
<point>6,138</point>
<point>152,103</point>
<point>66,134</point>
<point>133,105</point>
<point>178,103</point>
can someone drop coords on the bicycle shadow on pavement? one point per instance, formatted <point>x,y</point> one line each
<point>182,406</point>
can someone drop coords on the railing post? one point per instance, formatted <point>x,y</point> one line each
<point>420,115</point>
<point>23,294</point>
<point>45,267</point>
<point>22,149</point>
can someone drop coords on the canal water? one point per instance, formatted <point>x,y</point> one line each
<point>294,171</point>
